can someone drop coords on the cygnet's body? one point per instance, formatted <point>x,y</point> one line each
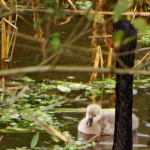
<point>98,121</point>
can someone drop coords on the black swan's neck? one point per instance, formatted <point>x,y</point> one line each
<point>124,94</point>
<point>123,117</point>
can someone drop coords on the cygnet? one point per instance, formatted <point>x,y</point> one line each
<point>98,121</point>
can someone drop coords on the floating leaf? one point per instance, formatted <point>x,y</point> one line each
<point>34,140</point>
<point>28,80</point>
<point>76,86</point>
<point>109,91</point>
<point>15,116</point>
<point>29,117</point>
<point>13,124</point>
<point>17,129</point>
<point>63,89</point>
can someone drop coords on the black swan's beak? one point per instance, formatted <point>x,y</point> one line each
<point>89,122</point>
<point>111,44</point>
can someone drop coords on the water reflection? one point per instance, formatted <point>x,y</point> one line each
<point>141,106</point>
<point>104,142</point>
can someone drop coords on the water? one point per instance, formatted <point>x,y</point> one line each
<point>28,53</point>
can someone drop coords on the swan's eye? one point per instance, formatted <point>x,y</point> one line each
<point>94,115</point>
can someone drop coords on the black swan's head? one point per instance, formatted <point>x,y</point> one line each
<point>129,31</point>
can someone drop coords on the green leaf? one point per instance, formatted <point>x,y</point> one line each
<point>118,36</point>
<point>29,117</point>
<point>120,8</point>
<point>55,42</point>
<point>55,35</point>
<point>34,140</point>
<point>129,39</point>
<point>99,18</point>
<point>140,24</point>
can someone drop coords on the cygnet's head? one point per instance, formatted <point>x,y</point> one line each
<point>93,113</point>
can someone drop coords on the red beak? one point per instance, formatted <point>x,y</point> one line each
<point>111,44</point>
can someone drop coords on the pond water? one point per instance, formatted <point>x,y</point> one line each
<point>28,53</point>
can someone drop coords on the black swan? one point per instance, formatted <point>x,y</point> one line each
<point>124,93</point>
<point>123,118</point>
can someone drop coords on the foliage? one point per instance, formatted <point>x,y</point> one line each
<point>74,147</point>
<point>83,5</point>
<point>145,39</point>
<point>34,140</point>
<point>120,8</point>
<point>36,103</point>
<point>54,13</point>
<point>54,41</point>
<point>142,22</point>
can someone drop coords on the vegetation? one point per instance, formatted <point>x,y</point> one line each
<point>34,111</point>
<point>29,106</point>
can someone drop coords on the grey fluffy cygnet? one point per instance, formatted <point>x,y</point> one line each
<point>98,121</point>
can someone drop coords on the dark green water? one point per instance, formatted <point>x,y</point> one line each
<point>28,53</point>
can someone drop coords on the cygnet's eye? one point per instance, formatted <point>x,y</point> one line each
<point>94,115</point>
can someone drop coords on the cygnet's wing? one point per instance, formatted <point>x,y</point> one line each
<point>109,114</point>
<point>109,117</point>
<point>108,121</point>
<point>135,122</point>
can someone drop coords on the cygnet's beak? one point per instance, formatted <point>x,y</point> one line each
<point>89,122</point>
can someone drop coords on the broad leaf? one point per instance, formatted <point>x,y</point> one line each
<point>140,24</point>
<point>34,140</point>
<point>120,8</point>
<point>118,36</point>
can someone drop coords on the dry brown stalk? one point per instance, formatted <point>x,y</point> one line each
<point>3,3</point>
<point>13,46</point>
<point>93,138</point>
<point>50,129</point>
<point>102,61</point>
<point>73,6</point>
<point>9,29</point>
<point>135,12</point>
<point>10,39</point>
<point>142,59</point>
<point>110,57</point>
<point>3,36</point>
<point>96,64</point>
<point>1,138</point>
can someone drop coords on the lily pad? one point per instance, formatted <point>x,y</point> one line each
<point>63,89</point>
<point>77,86</point>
